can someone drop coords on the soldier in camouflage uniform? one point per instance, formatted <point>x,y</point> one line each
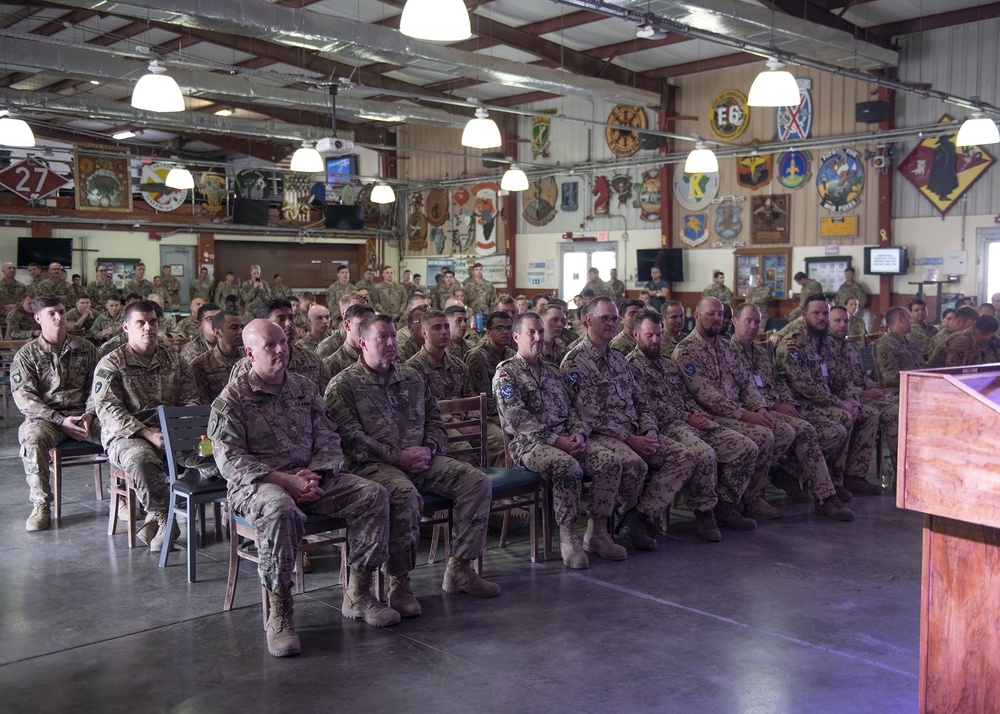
<point>21,323</point>
<point>319,327</point>
<point>50,381</point>
<point>211,370</point>
<point>808,287</point>
<point>480,294</point>
<point>279,289</point>
<point>225,288</point>
<point>483,359</point>
<point>170,289</point>
<point>850,288</point>
<point>600,288</point>
<point>458,326</point>
<point>681,419</point>
<point>367,283</point>
<point>394,435</point>
<point>410,345</point>
<point>761,295</point>
<point>546,436</point>
<point>206,339</point>
<point>350,351</point>
<point>719,381</point>
<point>553,319</point>
<point>341,287</point>
<point>856,324</point>
<point>965,347</point>
<point>336,338</point>
<point>895,352</point>
<point>673,326</point>
<point>138,283</point>
<point>801,358</point>
<point>80,317</point>
<point>615,417</point>
<point>254,293</point>
<point>963,319</point>
<point>102,289</point>
<point>109,323</point>
<point>624,342</point>
<point>201,287</point>
<point>389,296</point>
<point>718,289</point>
<point>129,384</point>
<point>273,480</point>
<point>11,291</point>
<point>55,284</point>
<point>188,326</point>
<point>441,293</point>
<point>617,286</point>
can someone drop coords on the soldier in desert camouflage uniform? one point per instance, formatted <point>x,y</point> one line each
<point>480,294</point>
<point>547,437</point>
<point>895,352</point>
<point>273,479</point>
<point>349,351</point>
<point>615,416</point>
<point>761,295</point>
<point>394,435</point>
<point>920,333</point>
<point>50,381</point>
<point>211,370</point>
<point>554,320</point>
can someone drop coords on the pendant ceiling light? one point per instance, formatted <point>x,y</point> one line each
<point>977,130</point>
<point>435,20</point>
<point>179,178</point>
<point>157,92</point>
<point>383,193</point>
<point>15,132</point>
<point>307,160</point>
<point>701,161</point>
<point>514,179</point>
<point>481,132</point>
<point>774,87</point>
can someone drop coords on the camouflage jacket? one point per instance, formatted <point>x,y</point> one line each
<point>482,362</point>
<point>812,287</point>
<point>308,342</point>
<point>281,291</point>
<point>553,352</point>
<point>332,343</point>
<point>618,288</point>
<point>390,298</point>
<point>73,317</point>
<point>895,354</point>
<point>623,342</point>
<point>716,376</point>
<point>21,325</point>
<point>760,365</point>
<point>100,293</point>
<point>719,292</point>
<point>440,295</point>
<point>600,288</point>
<point>188,327</point>
<point>52,383</point>
<point>202,289</point>
<point>958,350</point>
<point>211,372</point>
<point>254,297</point>
<point>61,290</point>
<point>761,296</point>
<point>921,335</point>
<point>194,349</point>
<point>11,293</point>
<point>341,359</point>
<point>301,362</point>
<point>480,297</point>
<point>660,381</point>
<point>103,322</point>
<point>380,415</point>
<point>848,376</point>
<point>808,368</point>
<point>171,288</point>
<point>447,378</point>
<point>852,290</point>
<point>459,349</point>
<point>223,290</point>
<point>142,287</point>
<point>333,295</point>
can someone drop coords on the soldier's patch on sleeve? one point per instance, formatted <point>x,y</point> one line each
<point>220,406</point>
<point>793,354</point>
<point>104,374</point>
<point>507,391</point>
<point>16,377</point>
<point>573,377</point>
<point>689,369</point>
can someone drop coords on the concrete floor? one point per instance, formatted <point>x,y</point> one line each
<point>802,615</point>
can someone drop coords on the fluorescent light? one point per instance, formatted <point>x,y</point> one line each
<point>435,20</point>
<point>977,130</point>
<point>383,193</point>
<point>701,161</point>
<point>514,179</point>
<point>179,178</point>
<point>224,112</point>
<point>122,135</point>
<point>481,132</point>
<point>95,81</point>
<point>15,132</point>
<point>307,160</point>
<point>645,31</point>
<point>774,87</point>
<point>157,92</point>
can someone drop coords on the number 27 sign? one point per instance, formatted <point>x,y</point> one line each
<point>31,179</point>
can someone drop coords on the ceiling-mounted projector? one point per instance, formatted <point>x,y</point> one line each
<point>333,145</point>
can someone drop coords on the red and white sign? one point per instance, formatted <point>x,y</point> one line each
<point>32,179</point>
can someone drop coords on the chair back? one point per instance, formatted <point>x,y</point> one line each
<point>9,348</point>
<point>467,433</point>
<point>182,429</point>
<point>774,324</point>
<point>868,362</point>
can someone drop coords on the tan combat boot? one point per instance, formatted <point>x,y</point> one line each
<point>459,577</point>
<point>596,540</point>
<point>571,549</point>
<point>156,543</point>
<point>360,603</point>
<point>282,641</point>
<point>401,598</point>
<point>39,519</point>
<point>148,530</point>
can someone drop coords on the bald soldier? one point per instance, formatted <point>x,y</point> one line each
<point>394,435</point>
<point>318,318</point>
<point>546,436</point>
<point>11,291</point>
<point>274,481</point>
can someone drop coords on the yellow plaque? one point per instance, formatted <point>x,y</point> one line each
<point>838,227</point>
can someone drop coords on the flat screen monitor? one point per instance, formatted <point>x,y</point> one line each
<point>345,218</point>
<point>670,261</point>
<point>44,251</point>
<point>886,261</point>
<point>250,212</point>
<point>341,169</point>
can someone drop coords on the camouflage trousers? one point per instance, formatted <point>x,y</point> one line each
<point>280,524</point>
<point>833,428</point>
<point>469,489</point>
<point>771,446</point>
<point>888,409</point>
<point>146,469</point>
<point>37,438</point>
<point>857,454</point>
<point>565,475</point>
<point>805,460</point>
<point>672,465</point>
<point>720,453</point>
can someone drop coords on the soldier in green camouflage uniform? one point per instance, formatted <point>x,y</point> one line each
<point>894,352</point>
<point>50,381</point>
<point>718,288</point>
<point>201,287</point>
<point>394,435</point>
<point>761,295</point>
<point>138,283</point>
<point>350,351</point>
<point>170,287</point>
<point>480,294</point>
<point>337,336</point>
<point>21,323</point>
<point>555,347</point>
<point>206,339</point>
<point>458,325</point>
<point>254,293</point>
<point>807,287</point>
<point>279,289</point>
<point>319,328</point>
<point>55,284</point>
<point>188,326</point>
<point>102,289</point>
<point>850,288</point>
<point>274,479</point>
<point>673,326</point>
<point>211,370</point>
<point>441,293</point>
<point>129,384</point>
<point>546,436</point>
<point>616,285</point>
<point>615,417</point>
<point>963,319</point>
<point>801,358</point>
<point>624,342</point>
<point>484,358</point>
<point>367,282</point>
<point>109,323</point>
<point>80,317</point>
<point>227,287</point>
<point>341,287</point>
<point>389,296</point>
<point>11,291</point>
<point>600,288</point>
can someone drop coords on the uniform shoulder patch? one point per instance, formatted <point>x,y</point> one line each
<point>220,406</point>
<point>573,377</point>
<point>507,391</point>
<point>793,354</point>
<point>689,369</point>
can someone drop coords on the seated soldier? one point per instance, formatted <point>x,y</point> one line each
<point>319,325</point>
<point>553,318</point>
<point>211,370</point>
<point>895,352</point>
<point>50,381</point>
<point>109,323</point>
<point>122,338</point>
<point>403,321</point>
<point>129,384</point>
<point>168,326</point>
<point>458,326</point>
<point>189,326</point>
<point>206,335</point>
<point>963,319</point>
<point>21,323</point>
<point>272,478</point>
<point>483,359</point>
<point>415,339</point>
<point>349,351</point>
<point>393,434</point>
<point>81,317</point>
<point>332,343</point>
<point>624,341</point>
<point>673,325</point>
<point>970,346</point>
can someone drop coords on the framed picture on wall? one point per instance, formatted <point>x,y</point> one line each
<point>828,271</point>
<point>102,177</point>
<point>771,263</point>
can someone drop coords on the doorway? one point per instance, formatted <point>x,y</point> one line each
<point>577,258</point>
<point>181,260</point>
<point>989,263</point>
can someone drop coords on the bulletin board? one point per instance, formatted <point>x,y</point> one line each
<point>828,271</point>
<point>119,269</point>
<point>772,263</point>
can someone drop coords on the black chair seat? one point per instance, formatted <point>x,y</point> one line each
<point>74,447</point>
<point>510,478</point>
<point>196,485</point>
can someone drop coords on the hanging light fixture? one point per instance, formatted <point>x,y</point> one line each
<point>481,132</point>
<point>978,130</point>
<point>179,178</point>
<point>157,92</point>
<point>435,20</point>
<point>701,160</point>
<point>383,193</point>
<point>15,132</point>
<point>774,87</point>
<point>514,179</point>
<point>307,160</point>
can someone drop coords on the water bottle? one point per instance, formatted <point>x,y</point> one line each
<point>888,473</point>
<point>479,322</point>
<point>205,446</point>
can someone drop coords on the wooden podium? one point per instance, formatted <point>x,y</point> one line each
<point>949,469</point>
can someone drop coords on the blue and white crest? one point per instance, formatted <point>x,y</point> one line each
<point>728,223</point>
<point>794,123</point>
<point>689,369</point>
<point>573,377</point>
<point>695,229</point>
<point>507,391</point>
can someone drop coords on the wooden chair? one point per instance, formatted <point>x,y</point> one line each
<point>182,429</point>
<point>75,453</point>
<point>8,348</point>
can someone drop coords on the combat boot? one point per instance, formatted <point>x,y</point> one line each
<point>706,527</point>
<point>39,519</point>
<point>833,508</point>
<point>156,543</point>
<point>635,529</point>
<point>843,494</point>
<point>793,487</point>
<point>359,601</point>
<point>758,508</point>
<point>459,577</point>
<point>148,530</point>
<point>571,549</point>
<point>730,517</point>
<point>401,598</point>
<point>856,484</point>
<point>596,540</point>
<point>282,641</point>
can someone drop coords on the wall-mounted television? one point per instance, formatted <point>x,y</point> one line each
<point>44,251</point>
<point>670,261</point>
<point>886,261</point>
<point>341,169</point>
<point>345,218</point>
<point>250,212</point>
